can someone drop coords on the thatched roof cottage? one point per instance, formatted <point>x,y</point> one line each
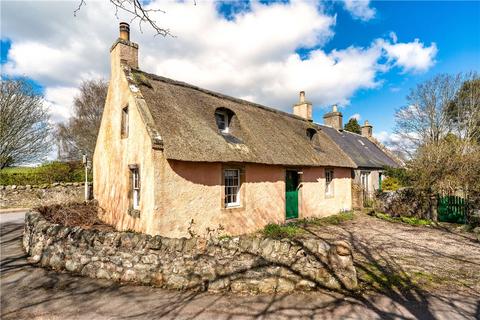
<point>174,159</point>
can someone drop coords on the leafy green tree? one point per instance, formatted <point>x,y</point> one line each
<point>353,126</point>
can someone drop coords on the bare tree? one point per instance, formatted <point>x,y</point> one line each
<point>425,119</point>
<point>24,127</point>
<point>138,12</point>
<point>464,111</point>
<point>79,134</point>
<point>441,127</point>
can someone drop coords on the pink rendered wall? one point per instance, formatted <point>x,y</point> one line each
<point>195,191</point>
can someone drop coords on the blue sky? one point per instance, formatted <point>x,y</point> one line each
<point>339,52</point>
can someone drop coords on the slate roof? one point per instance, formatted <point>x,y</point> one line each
<point>184,116</point>
<point>365,153</point>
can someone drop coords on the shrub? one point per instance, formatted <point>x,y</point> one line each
<point>391,184</point>
<point>50,172</point>
<point>401,176</point>
<point>71,214</point>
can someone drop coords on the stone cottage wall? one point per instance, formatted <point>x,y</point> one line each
<point>240,264</point>
<point>30,196</point>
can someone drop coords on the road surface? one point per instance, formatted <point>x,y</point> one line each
<point>30,292</point>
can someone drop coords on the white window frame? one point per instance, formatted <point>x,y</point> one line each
<point>329,176</point>
<point>229,188</point>
<point>135,188</point>
<point>365,180</point>
<point>225,120</point>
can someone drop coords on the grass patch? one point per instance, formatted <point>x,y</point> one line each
<point>225,237</point>
<point>335,219</point>
<point>277,231</point>
<point>297,228</point>
<point>413,221</point>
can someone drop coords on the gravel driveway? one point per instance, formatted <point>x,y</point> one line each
<point>399,257</point>
<point>30,292</point>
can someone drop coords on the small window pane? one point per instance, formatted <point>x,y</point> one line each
<point>135,188</point>
<point>222,121</point>
<point>232,187</point>
<point>328,182</point>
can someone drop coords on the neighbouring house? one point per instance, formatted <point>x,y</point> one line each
<point>176,160</point>
<point>369,155</point>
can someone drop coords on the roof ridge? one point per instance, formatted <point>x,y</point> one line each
<point>219,95</point>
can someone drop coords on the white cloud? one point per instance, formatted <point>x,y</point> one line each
<point>59,100</point>
<point>360,9</point>
<point>413,56</point>
<point>252,56</point>
<point>355,116</point>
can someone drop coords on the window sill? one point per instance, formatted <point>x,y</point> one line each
<point>134,213</point>
<point>233,208</point>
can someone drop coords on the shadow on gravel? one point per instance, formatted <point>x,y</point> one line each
<point>28,292</point>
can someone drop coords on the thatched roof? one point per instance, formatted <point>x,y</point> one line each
<point>184,116</point>
<point>364,152</point>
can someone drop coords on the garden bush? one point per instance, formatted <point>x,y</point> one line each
<point>391,184</point>
<point>50,172</point>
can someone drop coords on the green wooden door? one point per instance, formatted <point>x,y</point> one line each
<point>291,197</point>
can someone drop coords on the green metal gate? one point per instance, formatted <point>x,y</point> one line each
<point>291,196</point>
<point>452,209</point>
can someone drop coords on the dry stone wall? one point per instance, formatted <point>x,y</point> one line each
<point>239,264</point>
<point>30,196</point>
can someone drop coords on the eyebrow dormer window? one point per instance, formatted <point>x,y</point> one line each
<point>311,133</point>
<point>221,117</point>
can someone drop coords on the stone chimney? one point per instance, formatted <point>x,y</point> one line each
<point>367,129</point>
<point>303,108</point>
<point>124,51</point>
<point>334,119</point>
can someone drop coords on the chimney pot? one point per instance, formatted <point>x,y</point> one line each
<point>367,129</point>
<point>123,51</point>
<point>124,31</point>
<point>334,118</point>
<point>303,108</point>
<point>302,96</point>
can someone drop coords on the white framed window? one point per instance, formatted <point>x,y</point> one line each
<point>329,182</point>
<point>232,187</point>
<point>221,118</point>
<point>364,179</point>
<point>135,176</point>
<point>124,125</point>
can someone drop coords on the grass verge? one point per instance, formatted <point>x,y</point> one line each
<point>413,221</point>
<point>297,228</point>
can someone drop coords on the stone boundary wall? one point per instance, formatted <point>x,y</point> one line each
<point>406,202</point>
<point>238,264</point>
<point>30,196</point>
